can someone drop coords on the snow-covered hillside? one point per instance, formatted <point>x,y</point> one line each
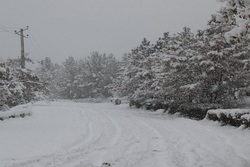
<point>67,134</point>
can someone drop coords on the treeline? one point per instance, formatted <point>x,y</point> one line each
<point>191,73</point>
<point>18,86</point>
<point>89,77</point>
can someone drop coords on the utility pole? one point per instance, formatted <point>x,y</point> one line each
<point>20,33</point>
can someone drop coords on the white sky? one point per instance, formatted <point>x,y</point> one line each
<point>63,28</point>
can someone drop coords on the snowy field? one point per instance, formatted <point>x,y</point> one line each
<point>68,134</point>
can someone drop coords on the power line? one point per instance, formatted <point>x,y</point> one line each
<point>33,47</point>
<point>4,30</point>
<point>35,43</point>
<point>8,27</point>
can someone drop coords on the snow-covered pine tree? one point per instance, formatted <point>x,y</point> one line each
<point>69,79</point>
<point>163,42</point>
<point>119,87</point>
<point>49,73</point>
<point>4,90</point>
<point>153,79</point>
<point>182,64</point>
<point>99,71</point>
<point>226,57</point>
<point>181,70</point>
<point>19,86</point>
<point>137,74</point>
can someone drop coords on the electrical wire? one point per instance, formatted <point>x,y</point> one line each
<point>35,43</point>
<point>4,30</point>
<point>8,27</point>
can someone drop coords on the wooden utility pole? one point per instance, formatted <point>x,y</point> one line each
<point>20,33</point>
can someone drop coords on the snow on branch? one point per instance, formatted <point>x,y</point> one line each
<point>240,9</point>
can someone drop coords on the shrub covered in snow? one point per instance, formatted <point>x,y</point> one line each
<point>193,111</point>
<point>19,86</point>
<point>15,112</point>
<point>148,104</point>
<point>116,101</point>
<point>234,117</point>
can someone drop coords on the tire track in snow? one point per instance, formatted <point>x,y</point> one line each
<point>71,152</point>
<point>109,138</point>
<point>133,147</point>
<point>197,146</point>
<point>124,139</point>
<point>156,146</point>
<point>139,143</point>
<point>130,140</point>
<point>94,150</point>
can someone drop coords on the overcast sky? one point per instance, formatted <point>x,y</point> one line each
<point>63,28</point>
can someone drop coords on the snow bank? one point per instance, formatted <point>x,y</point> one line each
<point>234,117</point>
<point>18,111</point>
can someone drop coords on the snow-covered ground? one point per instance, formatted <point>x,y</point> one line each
<point>67,134</point>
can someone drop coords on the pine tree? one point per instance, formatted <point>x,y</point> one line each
<point>69,80</point>
<point>136,73</point>
<point>19,86</point>
<point>226,60</point>
<point>48,73</point>
<point>99,71</point>
<point>4,90</point>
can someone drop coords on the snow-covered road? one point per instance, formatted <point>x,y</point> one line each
<point>68,134</point>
